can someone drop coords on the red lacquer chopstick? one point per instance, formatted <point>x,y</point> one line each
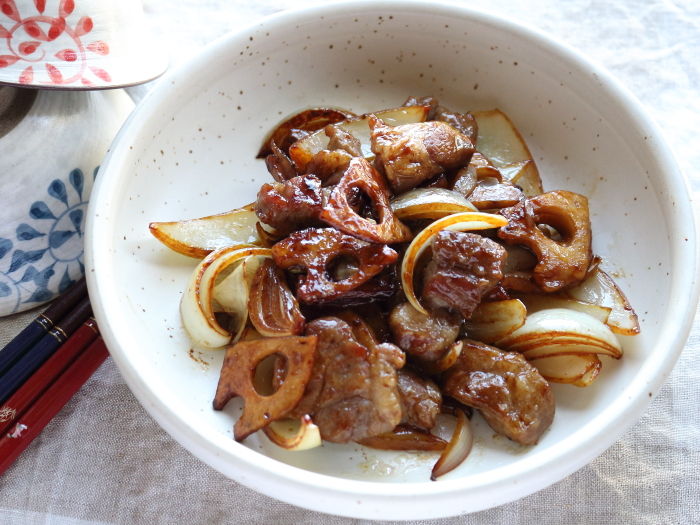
<point>40,380</point>
<point>29,425</point>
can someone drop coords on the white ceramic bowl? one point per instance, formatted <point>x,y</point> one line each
<point>189,149</point>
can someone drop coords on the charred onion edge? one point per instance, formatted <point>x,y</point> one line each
<point>461,222</point>
<point>458,448</point>
<point>405,437</point>
<point>305,437</point>
<point>299,120</point>
<point>196,304</point>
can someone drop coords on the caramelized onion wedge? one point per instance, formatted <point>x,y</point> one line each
<point>599,288</point>
<point>308,120</point>
<point>502,144</point>
<point>294,434</point>
<point>272,307</point>
<point>237,379</point>
<point>494,320</point>
<point>526,177</point>
<point>558,331</point>
<point>499,140</point>
<point>462,222</point>
<point>457,449</point>
<point>196,306</point>
<point>405,437</point>
<point>429,203</point>
<point>302,151</point>
<point>199,237</point>
<point>576,369</point>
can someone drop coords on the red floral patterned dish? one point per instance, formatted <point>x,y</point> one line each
<point>76,44</point>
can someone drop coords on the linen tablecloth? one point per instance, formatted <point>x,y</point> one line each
<point>104,460</point>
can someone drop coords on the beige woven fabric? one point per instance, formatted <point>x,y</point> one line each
<point>104,460</point>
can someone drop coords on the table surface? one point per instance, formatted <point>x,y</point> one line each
<point>104,460</point>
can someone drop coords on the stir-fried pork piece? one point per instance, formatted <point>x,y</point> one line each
<point>511,394</point>
<point>299,126</point>
<point>561,262</point>
<point>420,399</point>
<point>312,252</point>
<point>329,164</point>
<point>353,392</point>
<point>490,194</point>
<point>413,153</point>
<point>279,165</point>
<point>424,336</point>
<point>465,266</point>
<point>465,123</point>
<point>431,102</point>
<point>478,170</point>
<point>290,205</point>
<point>462,122</point>
<point>340,139</point>
<point>381,287</point>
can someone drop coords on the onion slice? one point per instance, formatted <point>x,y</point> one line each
<point>429,203</point>
<point>589,376</point>
<point>494,320</point>
<point>272,308</point>
<point>293,434</point>
<point>196,306</point>
<point>462,222</point>
<point>576,369</point>
<point>559,331</point>
<point>457,449</point>
<point>405,437</point>
<point>536,302</point>
<point>599,288</point>
<point>199,237</point>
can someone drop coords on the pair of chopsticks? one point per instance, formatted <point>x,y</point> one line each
<point>43,367</point>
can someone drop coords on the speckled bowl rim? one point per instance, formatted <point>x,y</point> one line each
<point>449,497</point>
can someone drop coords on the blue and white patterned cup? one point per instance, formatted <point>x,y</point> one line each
<point>51,144</point>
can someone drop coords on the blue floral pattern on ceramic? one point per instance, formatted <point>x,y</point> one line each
<point>46,255</point>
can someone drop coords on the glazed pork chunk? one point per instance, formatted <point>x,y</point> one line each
<point>426,337</point>
<point>465,267</point>
<point>420,400</point>
<point>353,392</point>
<point>290,205</point>
<point>413,153</point>
<point>510,393</point>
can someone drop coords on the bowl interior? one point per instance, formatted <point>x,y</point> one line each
<point>190,151</point>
